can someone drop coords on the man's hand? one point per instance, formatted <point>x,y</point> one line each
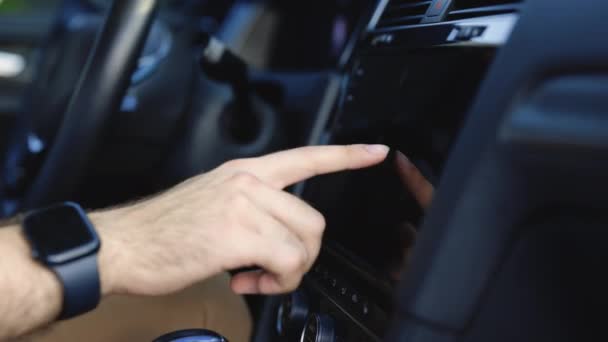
<point>234,216</point>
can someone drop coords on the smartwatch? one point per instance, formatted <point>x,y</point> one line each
<point>64,240</point>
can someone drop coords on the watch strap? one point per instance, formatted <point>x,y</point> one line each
<point>81,285</point>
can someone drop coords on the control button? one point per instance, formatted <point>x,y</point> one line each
<point>343,291</point>
<point>437,8</point>
<point>477,31</point>
<point>319,328</point>
<point>463,33</point>
<point>292,315</point>
<point>333,282</point>
<point>354,298</point>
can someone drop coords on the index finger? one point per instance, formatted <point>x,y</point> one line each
<point>285,168</point>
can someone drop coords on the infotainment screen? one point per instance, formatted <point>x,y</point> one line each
<point>416,103</point>
<point>368,214</point>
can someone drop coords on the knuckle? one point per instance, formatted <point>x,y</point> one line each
<point>234,164</point>
<point>294,261</point>
<point>354,151</point>
<point>317,223</point>
<point>238,201</point>
<point>292,284</point>
<point>243,180</point>
<point>349,153</point>
<point>236,208</point>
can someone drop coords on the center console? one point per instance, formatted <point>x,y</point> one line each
<point>411,78</point>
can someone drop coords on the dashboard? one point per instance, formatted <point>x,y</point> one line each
<point>411,80</point>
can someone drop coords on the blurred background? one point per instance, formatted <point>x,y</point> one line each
<point>173,120</point>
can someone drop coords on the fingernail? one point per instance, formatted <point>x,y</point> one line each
<point>377,149</point>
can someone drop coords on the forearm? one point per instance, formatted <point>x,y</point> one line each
<point>30,294</point>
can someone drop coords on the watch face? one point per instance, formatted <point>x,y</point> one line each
<point>60,233</point>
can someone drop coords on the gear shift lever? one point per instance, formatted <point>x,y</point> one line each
<point>222,65</point>
<point>194,335</point>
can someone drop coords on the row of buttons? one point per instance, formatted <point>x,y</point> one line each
<point>335,286</point>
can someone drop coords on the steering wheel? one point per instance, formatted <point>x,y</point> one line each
<point>97,95</point>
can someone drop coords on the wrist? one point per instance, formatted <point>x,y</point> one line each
<point>112,257</point>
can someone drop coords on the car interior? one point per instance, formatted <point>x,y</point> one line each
<point>502,105</point>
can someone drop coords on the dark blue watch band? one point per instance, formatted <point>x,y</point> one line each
<point>81,286</point>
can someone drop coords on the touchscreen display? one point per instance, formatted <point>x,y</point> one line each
<point>414,103</point>
<point>369,215</point>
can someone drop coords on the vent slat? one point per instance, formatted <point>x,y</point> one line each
<point>471,4</point>
<point>394,7</point>
<point>410,20</point>
<point>403,12</point>
<point>464,9</point>
<point>399,13</point>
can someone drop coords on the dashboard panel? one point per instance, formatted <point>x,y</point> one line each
<point>409,87</point>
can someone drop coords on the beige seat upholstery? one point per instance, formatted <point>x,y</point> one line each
<point>210,305</point>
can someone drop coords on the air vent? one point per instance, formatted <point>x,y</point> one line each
<point>463,9</point>
<point>403,12</point>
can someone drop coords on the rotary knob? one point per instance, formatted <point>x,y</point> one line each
<point>292,315</point>
<point>319,328</point>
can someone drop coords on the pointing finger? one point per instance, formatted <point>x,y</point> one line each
<point>285,168</point>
